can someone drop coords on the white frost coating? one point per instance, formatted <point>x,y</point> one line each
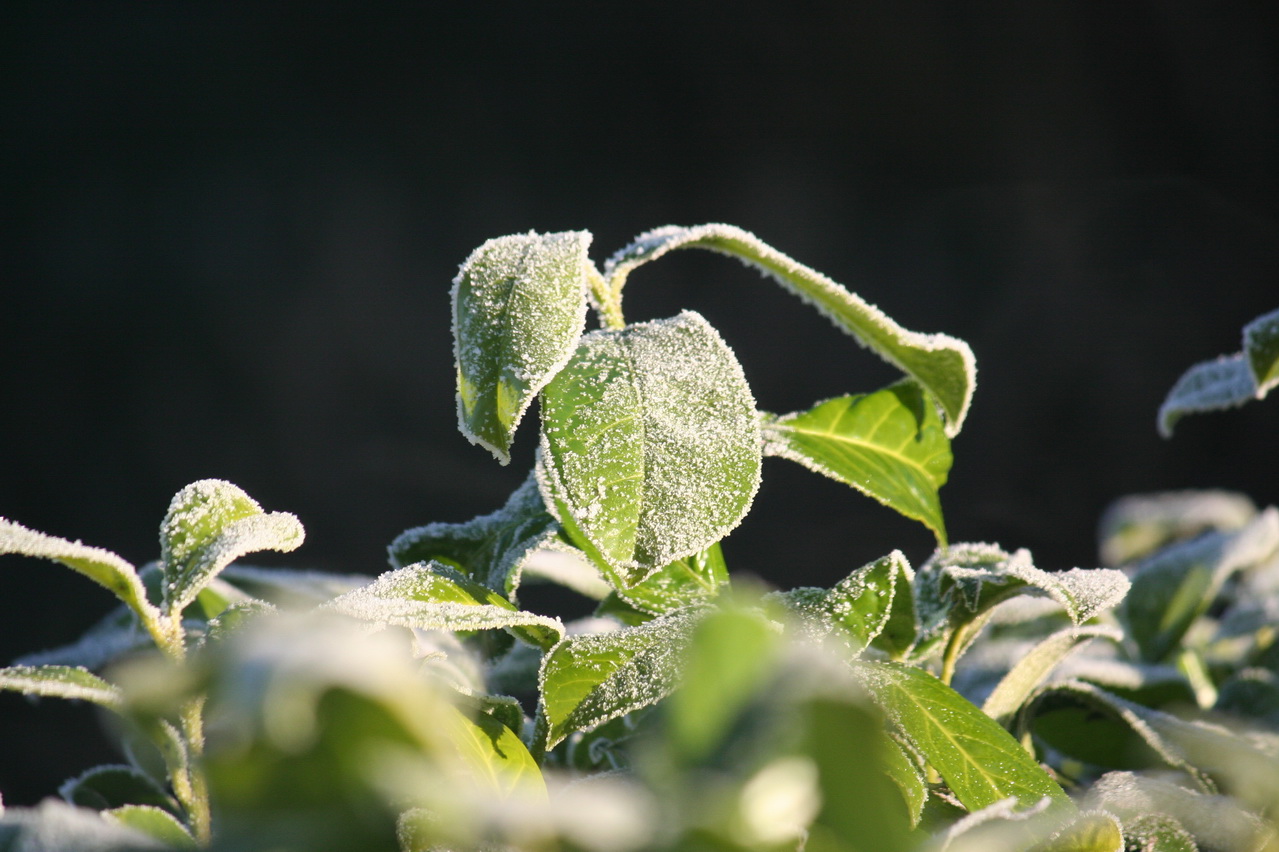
<point>1208,386</point>
<point>967,834</point>
<point>59,682</point>
<point>1261,346</point>
<point>55,826</point>
<point>588,680</point>
<point>426,597</point>
<point>1034,667</point>
<point>1216,821</point>
<point>102,566</point>
<point>569,567</point>
<point>909,351</point>
<point>517,315</point>
<point>210,524</point>
<point>1137,524</point>
<point>650,443</point>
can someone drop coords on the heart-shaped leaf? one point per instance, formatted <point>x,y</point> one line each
<point>650,445</point>
<point>889,445</point>
<point>943,365</point>
<point>519,306</point>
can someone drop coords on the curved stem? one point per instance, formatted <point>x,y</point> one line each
<point>607,303</point>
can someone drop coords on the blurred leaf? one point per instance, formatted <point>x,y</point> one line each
<point>889,445</point>
<point>53,826</point>
<point>650,445</point>
<point>1174,818</point>
<point>116,634</point>
<point>101,566</point>
<point>154,822</point>
<point>209,525</point>
<point>1032,669</point>
<point>978,759</point>
<point>1261,347</point>
<point>290,588</point>
<point>491,549</point>
<point>587,680</point>
<point>519,306</point>
<point>106,787</point>
<point>60,682</point>
<point>1139,524</point>
<point>434,596</point>
<point>1175,586</point>
<point>943,365</point>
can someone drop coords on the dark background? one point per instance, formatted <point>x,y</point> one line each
<point>230,230</point>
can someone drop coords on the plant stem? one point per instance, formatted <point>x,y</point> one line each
<point>607,303</point>
<point>198,805</point>
<point>950,657</point>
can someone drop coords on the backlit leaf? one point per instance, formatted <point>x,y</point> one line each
<point>889,445</point>
<point>979,760</point>
<point>1261,348</point>
<point>942,364</point>
<point>588,680</point>
<point>209,525</point>
<point>650,445</point>
<point>1033,668</point>
<point>59,682</point>
<point>519,306</point>
<point>154,822</point>
<point>432,596</point>
<point>101,566</point>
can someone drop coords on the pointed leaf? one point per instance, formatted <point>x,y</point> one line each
<point>856,609</point>
<point>907,774</point>
<point>693,580</point>
<point>889,445</point>
<point>433,596</point>
<point>1208,386</point>
<point>650,445</point>
<point>1175,586</point>
<point>491,549</point>
<point>209,525</point>
<point>943,365</point>
<point>519,306</point>
<point>154,822</point>
<point>1031,670</point>
<point>900,627</point>
<point>1261,348</point>
<point>60,682</point>
<point>588,680</point>
<point>101,566</point>
<point>978,759</point>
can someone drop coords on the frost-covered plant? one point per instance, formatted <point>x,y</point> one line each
<point>975,701</point>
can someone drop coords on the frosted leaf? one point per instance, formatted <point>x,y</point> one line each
<point>855,609</point>
<point>650,448</point>
<point>53,826</point>
<point>1001,828</point>
<point>153,822</point>
<point>209,525</point>
<point>1034,667</point>
<point>1208,386</point>
<point>1136,525</point>
<point>944,365</point>
<point>117,633</point>
<point>889,445</point>
<point>1261,346</point>
<point>587,680</point>
<point>112,786</point>
<point>519,306</point>
<point>101,566</point>
<point>432,596</point>
<point>491,549</point>
<point>1175,586</point>
<point>692,580</point>
<point>286,587</point>
<point>59,682</point>
<point>559,562</point>
<point>1216,821</point>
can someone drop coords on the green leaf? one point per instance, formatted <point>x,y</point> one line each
<point>154,822</point>
<point>856,609</point>
<point>54,826</point>
<point>588,680</point>
<point>1173,817</point>
<point>114,786</point>
<point>1175,586</point>
<point>101,566</point>
<point>491,549</point>
<point>889,445</point>
<point>209,525</point>
<point>908,775</point>
<point>496,756</point>
<point>943,365</point>
<point>60,682</point>
<point>1089,832</point>
<point>519,306</point>
<point>1261,347</point>
<point>1033,668</point>
<point>1159,833</point>
<point>689,581</point>
<point>897,637</point>
<point>978,759</point>
<point>1090,724</point>
<point>650,445</point>
<point>1137,525</point>
<point>433,596</point>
